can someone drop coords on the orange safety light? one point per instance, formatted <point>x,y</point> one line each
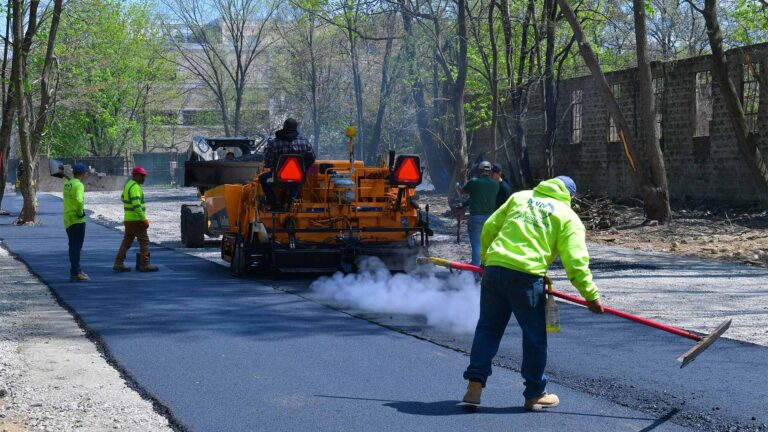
<point>407,170</point>
<point>290,170</point>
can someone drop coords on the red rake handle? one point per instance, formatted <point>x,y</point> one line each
<point>612,311</point>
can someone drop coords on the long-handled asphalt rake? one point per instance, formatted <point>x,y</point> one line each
<point>703,342</point>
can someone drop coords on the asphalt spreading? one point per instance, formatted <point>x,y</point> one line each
<point>227,354</point>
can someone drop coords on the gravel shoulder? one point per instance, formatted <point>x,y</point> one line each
<point>52,377</point>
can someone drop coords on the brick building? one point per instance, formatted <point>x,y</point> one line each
<point>702,158</point>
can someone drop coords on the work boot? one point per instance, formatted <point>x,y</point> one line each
<point>544,401</point>
<point>474,390</point>
<point>120,268</point>
<point>80,277</point>
<point>148,268</point>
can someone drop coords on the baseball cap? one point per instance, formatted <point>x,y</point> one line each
<point>79,168</point>
<point>485,166</point>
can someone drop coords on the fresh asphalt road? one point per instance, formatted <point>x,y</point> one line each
<point>224,354</point>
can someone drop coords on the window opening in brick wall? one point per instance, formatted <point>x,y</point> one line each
<point>576,111</point>
<point>613,131</point>
<point>658,105</point>
<point>704,102</point>
<point>750,94</point>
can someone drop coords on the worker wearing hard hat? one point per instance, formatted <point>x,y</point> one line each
<point>518,244</point>
<point>74,220</point>
<point>135,222</point>
<point>482,192</point>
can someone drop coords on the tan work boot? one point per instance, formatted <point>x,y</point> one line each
<point>147,268</point>
<point>474,390</point>
<point>544,401</point>
<point>120,268</point>
<point>80,277</point>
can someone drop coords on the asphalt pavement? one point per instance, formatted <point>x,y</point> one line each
<point>227,354</point>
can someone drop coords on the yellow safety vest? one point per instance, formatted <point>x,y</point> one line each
<point>133,202</point>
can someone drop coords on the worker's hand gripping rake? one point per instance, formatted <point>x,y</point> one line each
<point>703,342</point>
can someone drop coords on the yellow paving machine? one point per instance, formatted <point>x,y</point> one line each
<point>344,210</point>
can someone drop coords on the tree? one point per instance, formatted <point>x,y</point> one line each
<point>655,197</point>
<point>8,107</point>
<point>304,81</point>
<point>112,78</point>
<point>221,49</point>
<point>31,126</point>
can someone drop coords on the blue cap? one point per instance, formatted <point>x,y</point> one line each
<point>79,168</point>
<point>569,184</point>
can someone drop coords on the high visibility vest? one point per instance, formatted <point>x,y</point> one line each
<point>133,202</point>
<point>74,202</point>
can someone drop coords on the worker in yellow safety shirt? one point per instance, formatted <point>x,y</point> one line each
<point>519,241</point>
<point>135,222</point>
<point>74,220</point>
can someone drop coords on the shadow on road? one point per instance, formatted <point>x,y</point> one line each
<point>455,407</point>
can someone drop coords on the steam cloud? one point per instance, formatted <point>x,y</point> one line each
<point>451,303</point>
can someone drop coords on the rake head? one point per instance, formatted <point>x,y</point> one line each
<point>703,344</point>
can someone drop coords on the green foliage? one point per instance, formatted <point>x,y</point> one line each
<point>110,72</point>
<point>750,19</point>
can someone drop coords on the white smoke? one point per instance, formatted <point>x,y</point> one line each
<point>451,303</point>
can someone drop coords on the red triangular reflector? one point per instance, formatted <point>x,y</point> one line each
<point>290,171</point>
<point>407,172</point>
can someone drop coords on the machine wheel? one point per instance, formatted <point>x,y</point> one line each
<point>192,226</point>
<point>240,259</point>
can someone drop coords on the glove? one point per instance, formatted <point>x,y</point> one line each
<point>595,306</point>
<point>146,223</point>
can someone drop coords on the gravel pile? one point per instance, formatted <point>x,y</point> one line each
<point>52,377</point>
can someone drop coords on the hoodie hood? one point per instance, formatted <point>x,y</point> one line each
<point>554,188</point>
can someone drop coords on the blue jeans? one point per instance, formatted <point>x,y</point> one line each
<point>474,229</point>
<point>76,236</point>
<point>502,293</point>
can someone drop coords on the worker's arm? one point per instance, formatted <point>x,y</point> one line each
<point>79,193</point>
<point>572,246</point>
<point>269,155</point>
<point>135,196</point>
<point>491,229</point>
<point>468,187</point>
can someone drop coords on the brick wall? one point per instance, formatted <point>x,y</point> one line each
<point>700,168</point>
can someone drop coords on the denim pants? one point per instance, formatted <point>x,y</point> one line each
<point>504,292</point>
<point>76,236</point>
<point>474,229</point>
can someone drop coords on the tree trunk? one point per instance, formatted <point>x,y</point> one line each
<point>439,159</point>
<point>384,92</point>
<point>358,88</point>
<point>26,182</point>
<point>459,123</point>
<point>656,194</point>
<point>8,111</point>
<point>494,78</point>
<point>313,85</point>
<point>550,103</point>
<point>753,157</point>
<point>637,165</point>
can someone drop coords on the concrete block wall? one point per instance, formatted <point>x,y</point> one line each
<point>704,168</point>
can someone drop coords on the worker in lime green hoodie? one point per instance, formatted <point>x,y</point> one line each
<point>74,220</point>
<point>518,243</point>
